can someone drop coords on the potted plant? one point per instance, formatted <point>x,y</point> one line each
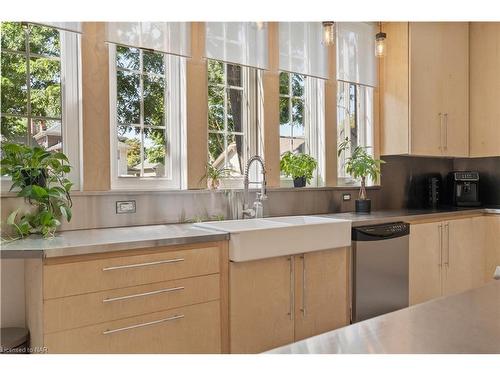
<point>360,165</point>
<point>298,166</point>
<point>214,175</point>
<point>40,177</point>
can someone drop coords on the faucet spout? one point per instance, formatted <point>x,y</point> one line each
<point>252,212</point>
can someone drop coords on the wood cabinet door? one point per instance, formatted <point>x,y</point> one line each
<point>425,262</point>
<point>455,80</point>
<point>484,88</point>
<point>463,260</point>
<point>491,245</point>
<point>261,304</point>
<point>321,292</point>
<point>426,88</point>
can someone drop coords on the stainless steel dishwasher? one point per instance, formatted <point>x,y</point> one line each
<point>380,268</point>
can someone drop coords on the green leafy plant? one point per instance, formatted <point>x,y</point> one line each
<point>214,175</point>
<point>40,177</point>
<point>360,164</point>
<point>298,165</point>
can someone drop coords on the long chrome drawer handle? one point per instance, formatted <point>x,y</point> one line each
<point>143,294</point>
<point>143,264</point>
<point>175,317</point>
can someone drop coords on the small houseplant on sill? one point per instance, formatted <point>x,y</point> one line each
<point>360,165</point>
<point>40,177</point>
<point>298,166</point>
<point>214,176</point>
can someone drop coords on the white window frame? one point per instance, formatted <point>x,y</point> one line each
<point>175,129</point>
<point>71,116</point>
<point>314,126</point>
<point>365,124</point>
<point>250,94</point>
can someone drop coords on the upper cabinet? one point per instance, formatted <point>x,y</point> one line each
<point>425,89</point>
<point>484,89</point>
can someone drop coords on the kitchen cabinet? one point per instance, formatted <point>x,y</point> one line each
<point>463,263</point>
<point>487,231</point>
<point>484,89</point>
<point>425,86</point>
<point>425,262</point>
<point>321,292</point>
<point>169,299</point>
<point>260,304</point>
<point>279,300</point>
<point>446,257</point>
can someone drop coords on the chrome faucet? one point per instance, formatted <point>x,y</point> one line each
<point>257,209</point>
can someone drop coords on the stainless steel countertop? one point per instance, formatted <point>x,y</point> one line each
<point>468,322</point>
<point>89,241</point>
<point>387,216</point>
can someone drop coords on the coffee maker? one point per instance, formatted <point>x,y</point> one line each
<point>464,187</point>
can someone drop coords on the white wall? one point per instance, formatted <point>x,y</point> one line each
<point>12,311</point>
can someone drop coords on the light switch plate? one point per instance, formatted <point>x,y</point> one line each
<point>125,207</point>
<point>346,197</point>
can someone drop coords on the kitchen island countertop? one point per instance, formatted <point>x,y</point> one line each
<point>468,322</point>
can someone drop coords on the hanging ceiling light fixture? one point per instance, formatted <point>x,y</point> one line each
<point>328,33</point>
<point>380,47</point>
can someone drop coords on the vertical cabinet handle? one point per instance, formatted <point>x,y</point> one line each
<point>303,309</point>
<point>447,263</point>
<point>440,231</point>
<point>292,287</point>
<point>446,131</point>
<point>440,131</point>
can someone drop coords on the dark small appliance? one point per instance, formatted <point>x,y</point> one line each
<point>433,188</point>
<point>464,187</point>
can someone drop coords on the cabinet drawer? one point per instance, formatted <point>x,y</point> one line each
<point>192,329</point>
<point>96,275</point>
<point>93,308</point>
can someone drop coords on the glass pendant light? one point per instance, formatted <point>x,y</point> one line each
<point>328,33</point>
<point>380,47</point>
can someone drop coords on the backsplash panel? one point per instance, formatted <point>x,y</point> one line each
<point>399,174</point>
<point>98,210</point>
<point>402,176</point>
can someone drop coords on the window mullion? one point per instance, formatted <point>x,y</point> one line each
<point>28,85</point>
<point>141,108</point>
<point>225,115</point>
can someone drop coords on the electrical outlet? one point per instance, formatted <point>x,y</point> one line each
<point>346,197</point>
<point>125,207</point>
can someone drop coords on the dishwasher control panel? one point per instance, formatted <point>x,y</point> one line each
<point>382,231</point>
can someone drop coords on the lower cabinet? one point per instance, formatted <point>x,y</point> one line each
<point>276,301</point>
<point>446,257</point>
<point>170,299</point>
<point>190,329</point>
<point>487,229</point>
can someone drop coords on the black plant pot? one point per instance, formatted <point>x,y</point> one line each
<point>299,182</point>
<point>363,205</point>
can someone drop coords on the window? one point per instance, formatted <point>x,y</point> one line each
<point>302,118</point>
<point>356,77</point>
<point>292,121</point>
<point>146,116</point>
<point>40,89</point>
<point>354,121</point>
<point>231,139</point>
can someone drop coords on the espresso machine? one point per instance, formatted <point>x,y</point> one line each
<point>464,186</point>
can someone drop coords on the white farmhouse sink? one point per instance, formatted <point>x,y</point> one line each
<point>253,239</point>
